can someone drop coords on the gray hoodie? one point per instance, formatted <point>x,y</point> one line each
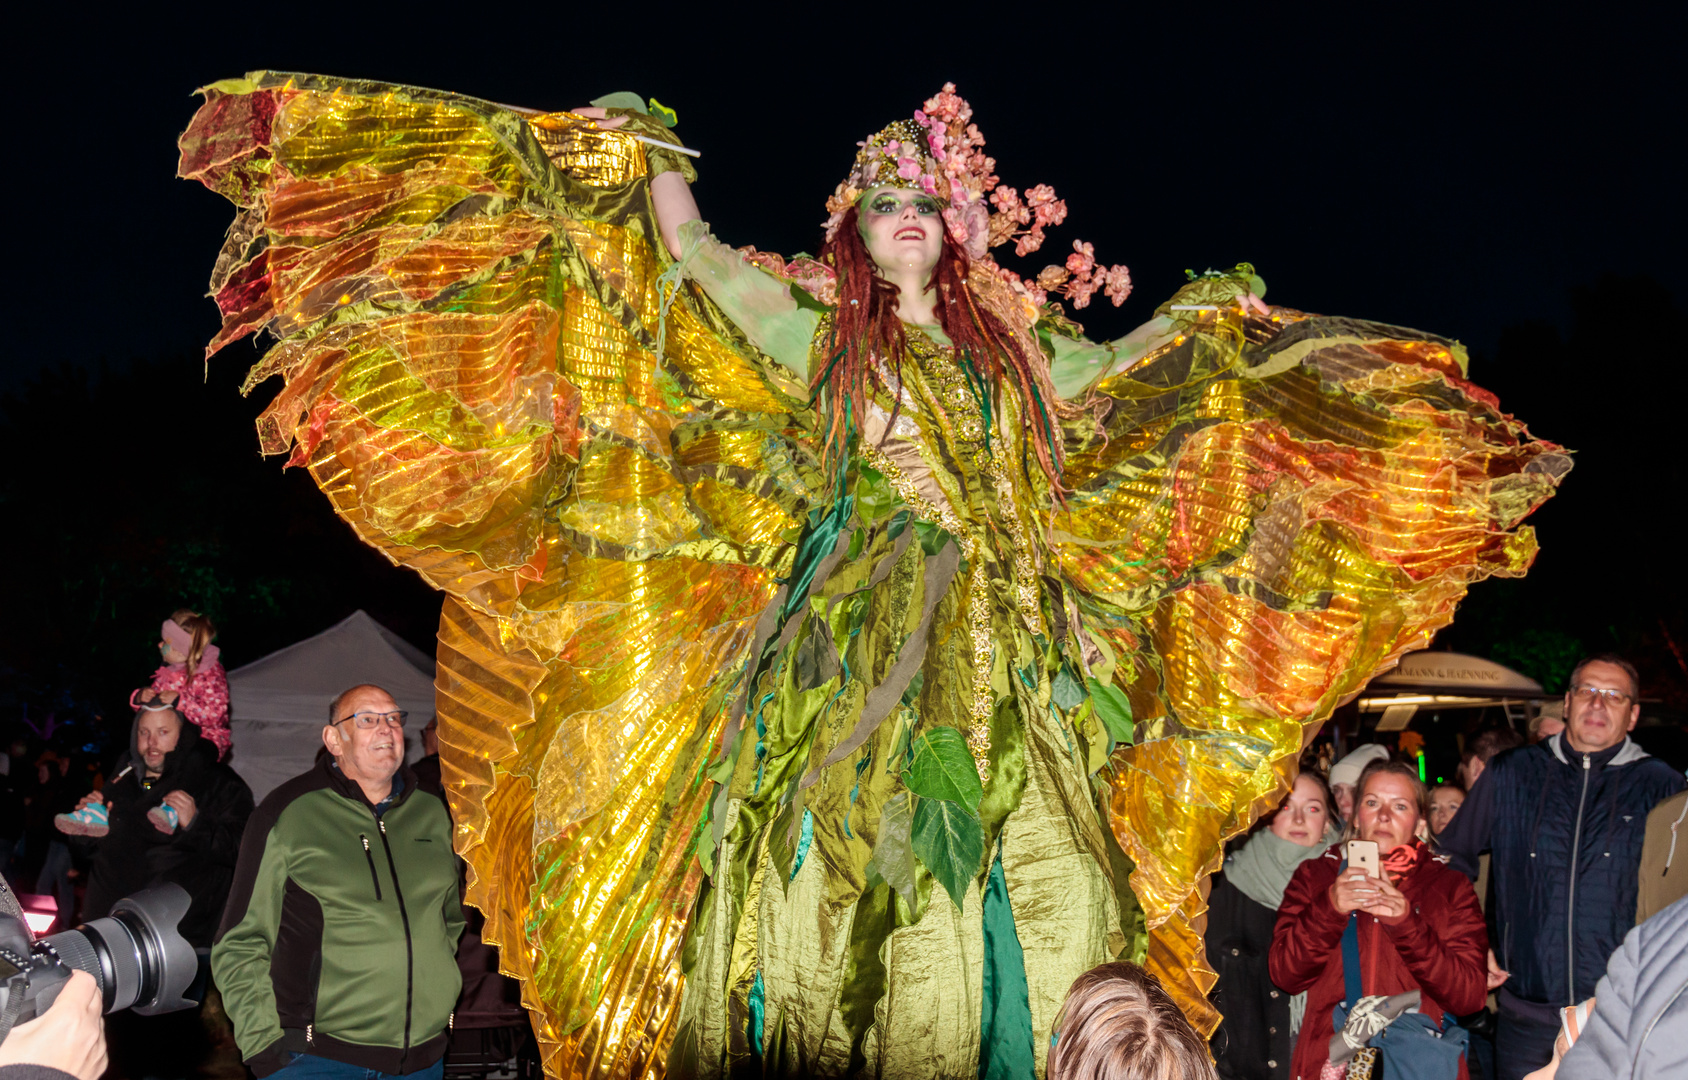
<point>1639,1027</point>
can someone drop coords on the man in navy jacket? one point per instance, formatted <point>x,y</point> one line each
<point>1564,821</point>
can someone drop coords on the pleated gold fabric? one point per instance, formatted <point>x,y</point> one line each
<point>467,347</point>
<point>675,815</point>
<point>1289,505</point>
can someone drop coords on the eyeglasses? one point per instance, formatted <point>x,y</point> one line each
<point>1588,695</point>
<point>367,720</point>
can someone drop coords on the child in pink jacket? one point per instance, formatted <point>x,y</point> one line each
<point>191,681</point>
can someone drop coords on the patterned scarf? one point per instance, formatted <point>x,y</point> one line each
<point>1400,862</point>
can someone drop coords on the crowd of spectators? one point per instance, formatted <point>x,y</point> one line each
<point>1524,921</point>
<point>1534,899</point>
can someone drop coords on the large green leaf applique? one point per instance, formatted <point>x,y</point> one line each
<point>1113,709</point>
<point>1065,691</point>
<point>943,768</point>
<point>951,842</point>
<point>893,851</point>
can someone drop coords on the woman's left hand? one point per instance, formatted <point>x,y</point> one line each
<point>186,808</point>
<point>1391,904</point>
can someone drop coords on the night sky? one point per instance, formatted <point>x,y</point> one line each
<point>1509,178</point>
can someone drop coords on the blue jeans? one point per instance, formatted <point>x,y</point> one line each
<point>312,1067</point>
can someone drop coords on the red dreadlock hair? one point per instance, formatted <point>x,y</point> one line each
<point>866,326</point>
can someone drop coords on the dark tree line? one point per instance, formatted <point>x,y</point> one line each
<point>137,488</point>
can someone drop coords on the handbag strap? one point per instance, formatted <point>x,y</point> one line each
<point>1351,988</point>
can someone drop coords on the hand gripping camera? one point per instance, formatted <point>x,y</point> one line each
<point>135,955</point>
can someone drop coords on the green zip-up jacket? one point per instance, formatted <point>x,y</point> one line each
<point>340,935</point>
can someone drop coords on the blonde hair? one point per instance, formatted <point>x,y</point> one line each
<point>1421,794</point>
<point>203,631</point>
<point>1119,1024</point>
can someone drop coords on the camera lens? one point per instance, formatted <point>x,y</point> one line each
<point>135,953</point>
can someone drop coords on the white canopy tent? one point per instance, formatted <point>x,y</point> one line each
<point>279,704</point>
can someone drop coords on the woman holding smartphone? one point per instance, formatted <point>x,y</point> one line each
<point>1417,923</point>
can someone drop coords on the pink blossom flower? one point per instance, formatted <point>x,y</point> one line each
<point>920,117</point>
<point>908,168</point>
<point>1083,261</point>
<point>1039,195</point>
<point>1118,285</point>
<point>1006,199</point>
<point>929,184</point>
<point>975,219</point>
<point>1080,290</point>
<point>1051,213</point>
<point>1028,242</point>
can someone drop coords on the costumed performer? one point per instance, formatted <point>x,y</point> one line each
<point>841,656</point>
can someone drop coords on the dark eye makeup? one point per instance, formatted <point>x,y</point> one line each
<point>887,204</point>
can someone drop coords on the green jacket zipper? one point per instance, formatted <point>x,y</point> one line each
<point>373,876</point>
<point>409,946</point>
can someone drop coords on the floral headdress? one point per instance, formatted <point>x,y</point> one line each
<point>942,153</point>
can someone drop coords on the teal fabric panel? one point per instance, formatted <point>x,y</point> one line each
<point>1005,1019</point>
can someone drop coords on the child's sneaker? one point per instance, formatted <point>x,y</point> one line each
<point>164,816</point>
<point>90,820</point>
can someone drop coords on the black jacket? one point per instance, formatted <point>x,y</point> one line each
<point>1253,1041</point>
<point>1565,832</point>
<point>200,858</point>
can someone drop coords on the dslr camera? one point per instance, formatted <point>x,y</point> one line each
<point>135,954</point>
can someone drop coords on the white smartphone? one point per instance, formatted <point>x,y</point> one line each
<point>1362,855</point>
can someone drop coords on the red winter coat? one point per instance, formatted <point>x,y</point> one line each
<point>1440,949</point>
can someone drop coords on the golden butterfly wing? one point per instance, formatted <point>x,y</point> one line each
<point>1282,506</point>
<point>468,312</point>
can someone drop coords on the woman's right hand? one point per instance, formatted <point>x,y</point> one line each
<point>1353,890</point>
<point>68,1037</point>
<point>91,797</point>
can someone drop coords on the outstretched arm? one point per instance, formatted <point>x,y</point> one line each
<point>672,198</point>
<point>1076,364</point>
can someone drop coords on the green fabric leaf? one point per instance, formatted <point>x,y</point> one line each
<point>1066,691</point>
<point>874,497</point>
<point>943,768</point>
<point>786,844</point>
<point>951,842</point>
<point>1113,710</point>
<point>911,696</point>
<point>662,112</point>
<point>893,852</point>
<point>622,99</point>
<point>932,537</point>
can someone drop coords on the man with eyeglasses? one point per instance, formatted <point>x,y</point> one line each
<point>336,956</point>
<point>1564,821</point>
